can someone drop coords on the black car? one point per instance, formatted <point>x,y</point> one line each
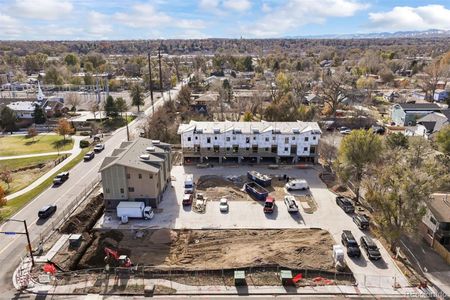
<point>349,241</point>
<point>89,156</point>
<point>46,211</point>
<point>60,178</point>
<point>373,253</point>
<point>346,204</point>
<point>378,129</point>
<point>361,221</point>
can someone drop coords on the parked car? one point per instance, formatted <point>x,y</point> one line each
<point>346,204</point>
<point>89,156</point>
<point>361,221</point>
<point>223,206</point>
<point>269,205</point>
<point>372,251</point>
<point>99,148</point>
<point>349,241</point>
<point>187,199</point>
<point>291,204</point>
<point>297,184</point>
<point>344,130</point>
<point>47,211</point>
<point>378,129</point>
<point>60,178</point>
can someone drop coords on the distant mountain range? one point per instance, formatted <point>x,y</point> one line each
<point>434,33</point>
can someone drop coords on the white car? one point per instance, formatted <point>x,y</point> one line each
<point>344,130</point>
<point>297,184</point>
<point>99,147</point>
<point>223,206</point>
<point>291,204</point>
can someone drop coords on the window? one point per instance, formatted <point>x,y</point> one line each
<point>306,138</point>
<point>254,138</point>
<point>429,232</point>
<point>131,189</point>
<point>128,176</point>
<point>208,140</point>
<point>215,138</point>
<point>286,149</point>
<point>247,148</point>
<point>228,139</point>
<point>122,191</point>
<point>293,138</point>
<point>433,220</point>
<point>189,139</point>
<point>314,138</point>
<point>267,139</point>
<point>247,140</point>
<point>286,140</point>
<point>150,176</point>
<point>273,138</point>
<point>209,148</point>
<point>234,138</point>
<point>196,137</point>
<point>107,190</point>
<point>305,149</point>
<point>228,148</point>
<point>140,176</point>
<point>267,149</point>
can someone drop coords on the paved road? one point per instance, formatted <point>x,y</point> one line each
<point>81,176</point>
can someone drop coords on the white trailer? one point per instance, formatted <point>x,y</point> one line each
<point>134,210</point>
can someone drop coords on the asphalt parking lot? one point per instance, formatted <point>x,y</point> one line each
<point>249,214</point>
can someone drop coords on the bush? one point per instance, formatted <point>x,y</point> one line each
<point>84,144</point>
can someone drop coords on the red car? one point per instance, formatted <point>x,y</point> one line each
<point>187,199</point>
<point>269,205</point>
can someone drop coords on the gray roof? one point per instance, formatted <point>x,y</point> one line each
<point>439,206</point>
<point>249,127</point>
<point>142,154</point>
<point>420,106</point>
<point>434,122</point>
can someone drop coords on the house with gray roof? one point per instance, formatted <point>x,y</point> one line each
<point>429,124</point>
<point>407,114</point>
<point>138,170</point>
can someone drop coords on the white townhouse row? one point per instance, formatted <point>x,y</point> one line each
<point>254,141</point>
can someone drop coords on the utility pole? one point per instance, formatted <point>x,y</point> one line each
<point>160,71</point>
<point>128,131</point>
<point>27,235</point>
<point>150,81</point>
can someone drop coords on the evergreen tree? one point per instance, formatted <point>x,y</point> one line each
<point>111,107</point>
<point>137,96</point>
<point>39,115</point>
<point>8,119</point>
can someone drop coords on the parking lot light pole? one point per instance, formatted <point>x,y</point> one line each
<point>26,233</point>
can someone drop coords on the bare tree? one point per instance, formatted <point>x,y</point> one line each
<point>73,100</point>
<point>334,90</point>
<point>438,70</point>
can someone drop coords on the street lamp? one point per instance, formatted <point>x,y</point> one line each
<point>26,233</point>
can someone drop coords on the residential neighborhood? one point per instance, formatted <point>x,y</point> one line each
<point>224,149</point>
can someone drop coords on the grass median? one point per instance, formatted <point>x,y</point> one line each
<point>17,203</point>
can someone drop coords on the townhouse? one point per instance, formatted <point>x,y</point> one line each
<point>255,142</point>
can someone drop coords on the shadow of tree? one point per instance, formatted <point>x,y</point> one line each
<point>61,143</point>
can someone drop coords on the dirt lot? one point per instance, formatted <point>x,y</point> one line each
<point>216,249</point>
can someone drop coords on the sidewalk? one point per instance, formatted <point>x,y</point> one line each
<point>74,152</point>
<point>115,285</point>
<point>35,155</point>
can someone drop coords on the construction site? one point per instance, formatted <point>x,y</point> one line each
<point>210,254</point>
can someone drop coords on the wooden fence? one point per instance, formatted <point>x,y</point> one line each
<point>442,251</point>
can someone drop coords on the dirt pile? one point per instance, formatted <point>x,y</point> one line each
<point>216,249</point>
<point>215,187</point>
<point>86,218</point>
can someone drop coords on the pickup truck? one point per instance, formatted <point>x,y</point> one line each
<point>60,178</point>
<point>269,205</point>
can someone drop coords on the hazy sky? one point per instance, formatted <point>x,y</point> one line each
<point>136,19</point>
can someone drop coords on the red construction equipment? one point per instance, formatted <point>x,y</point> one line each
<point>114,257</point>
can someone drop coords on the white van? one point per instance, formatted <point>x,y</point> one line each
<point>189,184</point>
<point>297,184</point>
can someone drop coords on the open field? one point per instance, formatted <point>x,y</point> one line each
<point>20,145</point>
<point>26,170</point>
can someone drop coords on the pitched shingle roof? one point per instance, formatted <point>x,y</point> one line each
<point>439,206</point>
<point>420,106</point>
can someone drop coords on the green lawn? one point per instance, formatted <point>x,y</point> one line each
<point>17,203</point>
<point>18,163</point>
<point>20,145</point>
